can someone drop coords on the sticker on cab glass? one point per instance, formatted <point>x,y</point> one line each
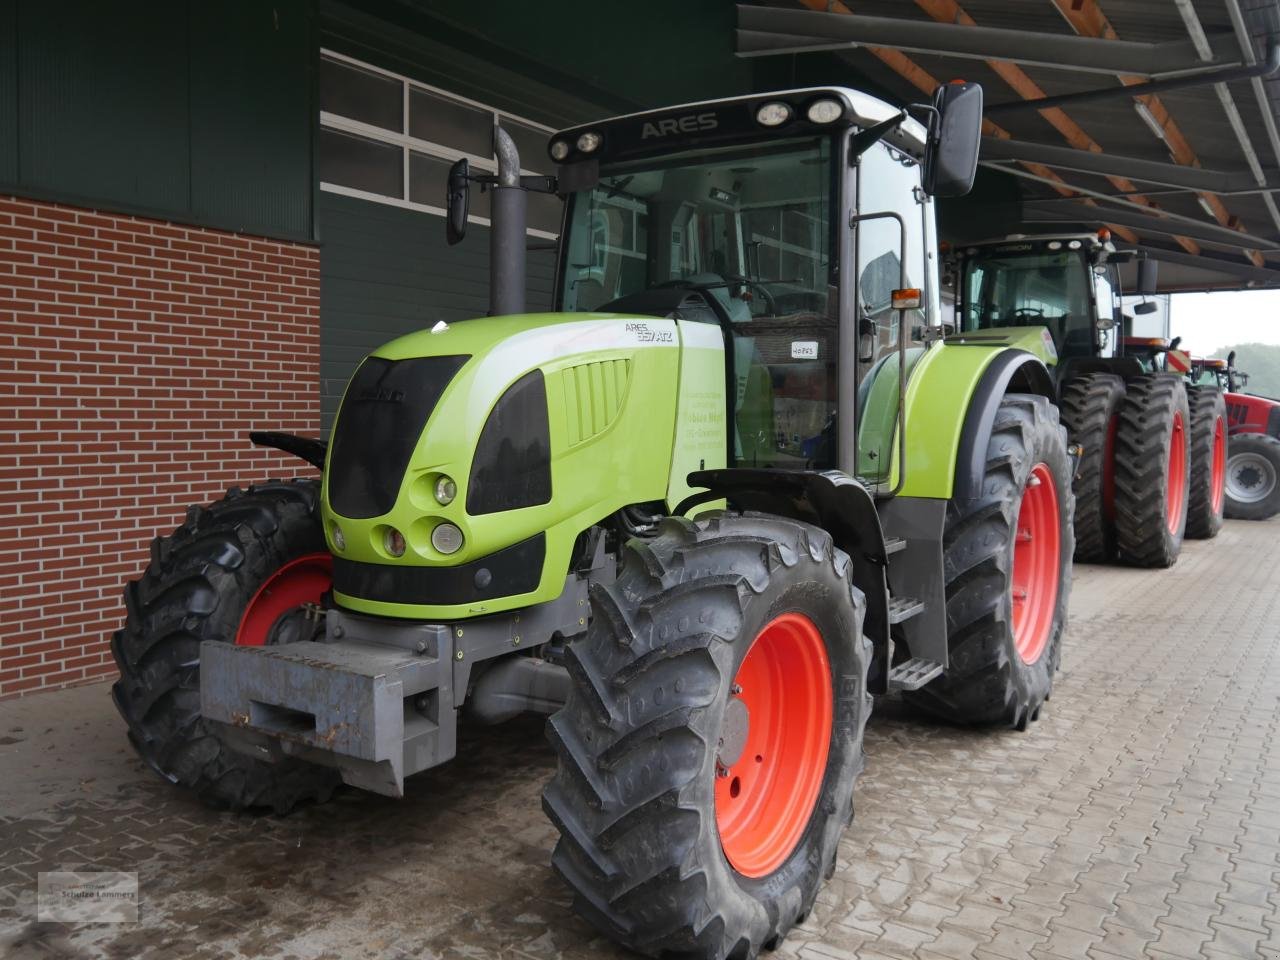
<point>804,349</point>
<point>1047,339</point>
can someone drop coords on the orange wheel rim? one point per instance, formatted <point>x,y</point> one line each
<point>1037,564</point>
<point>1177,487</point>
<point>299,581</point>
<point>770,767</point>
<point>1218,473</point>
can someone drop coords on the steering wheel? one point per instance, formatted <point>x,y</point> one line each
<point>1028,313</point>
<point>730,279</point>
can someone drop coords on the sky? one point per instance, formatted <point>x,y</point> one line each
<point>1208,321</point>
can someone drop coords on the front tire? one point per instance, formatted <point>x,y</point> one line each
<point>710,743</point>
<point>1007,564</point>
<point>235,571</point>
<point>1206,497</point>
<point>1152,471</point>
<point>1253,476</point>
<point>1090,411</point>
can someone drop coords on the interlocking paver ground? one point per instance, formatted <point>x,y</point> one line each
<point>1139,817</point>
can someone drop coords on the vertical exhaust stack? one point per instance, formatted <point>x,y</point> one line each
<point>506,233</point>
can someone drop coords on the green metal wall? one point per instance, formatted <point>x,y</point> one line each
<point>185,110</point>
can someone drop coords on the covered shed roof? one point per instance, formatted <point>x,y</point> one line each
<point>1156,118</point>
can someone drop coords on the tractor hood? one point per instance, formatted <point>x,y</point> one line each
<point>466,459</point>
<point>1037,341</point>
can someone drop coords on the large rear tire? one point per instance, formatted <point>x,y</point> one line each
<point>235,571</point>
<point>1253,476</point>
<point>1090,410</point>
<point>1007,564</point>
<point>712,736</point>
<point>1206,493</point>
<point>1153,466</point>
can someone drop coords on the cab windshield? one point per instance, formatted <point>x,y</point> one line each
<point>751,225</point>
<point>1034,288</point>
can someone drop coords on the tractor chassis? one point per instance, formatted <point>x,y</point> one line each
<point>378,698</point>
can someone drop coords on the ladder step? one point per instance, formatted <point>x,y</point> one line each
<point>904,608</point>
<point>913,674</point>
<point>894,545</point>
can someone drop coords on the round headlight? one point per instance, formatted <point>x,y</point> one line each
<point>825,111</point>
<point>773,114</point>
<point>446,490</point>
<point>446,538</point>
<point>339,540</point>
<point>559,149</point>
<point>393,542</point>
<point>589,142</point>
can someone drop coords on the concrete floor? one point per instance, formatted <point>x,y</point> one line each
<point>1139,818</point>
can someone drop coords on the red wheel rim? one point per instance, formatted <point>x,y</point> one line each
<point>1177,490</point>
<point>299,581</point>
<point>1037,564</point>
<point>1109,470</point>
<point>765,796</point>
<point>1218,473</point>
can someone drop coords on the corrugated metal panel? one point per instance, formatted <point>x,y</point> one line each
<point>103,102</point>
<point>8,92</point>
<point>386,271</point>
<point>252,115</point>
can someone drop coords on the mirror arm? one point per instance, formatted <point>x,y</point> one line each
<point>864,140</point>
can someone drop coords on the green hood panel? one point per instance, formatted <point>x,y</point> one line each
<point>612,384</point>
<point>1037,341</point>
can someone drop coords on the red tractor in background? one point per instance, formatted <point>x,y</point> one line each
<point>1253,442</point>
<point>1246,462</point>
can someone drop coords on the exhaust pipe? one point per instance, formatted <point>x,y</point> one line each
<point>507,231</point>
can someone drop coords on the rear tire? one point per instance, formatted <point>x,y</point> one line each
<point>199,584</point>
<point>1253,476</point>
<point>995,676</point>
<point>651,715</point>
<point>1152,470</point>
<point>1205,493</point>
<point>1089,410</point>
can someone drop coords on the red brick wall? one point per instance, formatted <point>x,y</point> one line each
<point>134,356</point>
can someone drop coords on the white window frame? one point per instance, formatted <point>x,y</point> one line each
<point>409,144</point>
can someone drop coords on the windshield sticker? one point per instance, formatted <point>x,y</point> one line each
<point>804,350</point>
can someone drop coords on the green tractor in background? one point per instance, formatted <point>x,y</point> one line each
<point>735,485</point>
<point>1146,442</point>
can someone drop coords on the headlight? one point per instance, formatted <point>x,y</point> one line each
<point>825,111</point>
<point>393,542</point>
<point>773,114</point>
<point>446,538</point>
<point>589,142</point>
<point>559,149</point>
<point>446,490</point>
<point>339,540</point>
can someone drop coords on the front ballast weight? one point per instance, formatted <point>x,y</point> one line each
<point>377,699</point>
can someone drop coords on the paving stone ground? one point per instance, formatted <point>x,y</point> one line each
<point>1139,818</point>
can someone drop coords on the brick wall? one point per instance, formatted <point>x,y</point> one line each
<point>134,356</point>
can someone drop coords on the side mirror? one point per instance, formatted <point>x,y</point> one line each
<point>1147,306</point>
<point>1148,276</point>
<point>457,201</point>
<point>951,159</point>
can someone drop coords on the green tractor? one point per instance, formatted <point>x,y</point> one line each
<point>1145,442</point>
<point>732,487</point>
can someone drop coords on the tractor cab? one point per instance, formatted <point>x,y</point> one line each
<point>1065,286</point>
<point>737,215</point>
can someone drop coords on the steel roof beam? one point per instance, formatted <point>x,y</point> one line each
<point>830,30</point>
<point>1257,275</point>
<point>1133,168</point>
<point>1035,212</point>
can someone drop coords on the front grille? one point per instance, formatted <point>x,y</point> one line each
<point>382,416</point>
<point>507,573</point>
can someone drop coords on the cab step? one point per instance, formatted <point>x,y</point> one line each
<point>913,674</point>
<point>894,545</point>
<point>904,608</point>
